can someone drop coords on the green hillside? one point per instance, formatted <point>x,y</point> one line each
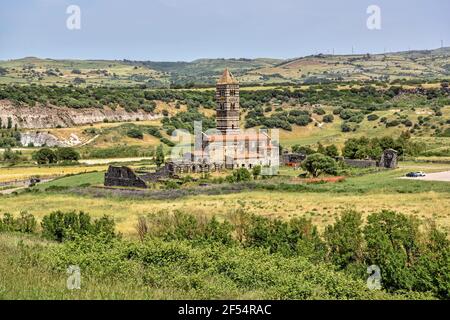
<point>421,64</point>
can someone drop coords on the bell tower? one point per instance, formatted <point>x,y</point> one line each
<point>227,98</point>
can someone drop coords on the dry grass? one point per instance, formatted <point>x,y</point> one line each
<point>321,208</point>
<point>23,173</point>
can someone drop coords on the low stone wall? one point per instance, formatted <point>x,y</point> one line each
<point>361,163</point>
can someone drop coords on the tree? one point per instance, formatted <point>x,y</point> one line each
<point>159,158</point>
<point>11,156</point>
<point>317,164</point>
<point>45,156</point>
<point>303,149</point>
<point>67,154</point>
<point>256,171</point>
<point>331,151</point>
<point>9,125</point>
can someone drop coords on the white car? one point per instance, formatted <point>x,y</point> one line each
<point>421,174</point>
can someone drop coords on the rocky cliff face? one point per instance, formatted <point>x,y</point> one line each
<point>39,139</point>
<point>39,117</point>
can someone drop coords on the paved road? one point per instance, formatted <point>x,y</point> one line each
<point>21,186</point>
<point>437,176</point>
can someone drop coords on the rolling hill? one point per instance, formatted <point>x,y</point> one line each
<point>418,64</point>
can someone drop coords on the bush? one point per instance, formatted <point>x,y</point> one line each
<point>239,175</point>
<point>25,223</point>
<point>328,118</point>
<point>345,240</point>
<point>319,111</point>
<point>331,151</point>
<point>62,226</point>
<point>67,154</point>
<point>372,117</point>
<point>135,133</point>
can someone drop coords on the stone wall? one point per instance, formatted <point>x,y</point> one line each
<point>123,177</point>
<point>361,163</point>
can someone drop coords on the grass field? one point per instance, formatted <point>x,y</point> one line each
<point>320,202</point>
<point>23,173</point>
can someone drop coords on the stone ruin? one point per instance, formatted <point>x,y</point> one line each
<point>389,159</point>
<point>123,177</point>
<point>292,159</point>
<point>126,177</point>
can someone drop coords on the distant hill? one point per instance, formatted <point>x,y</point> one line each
<point>417,64</point>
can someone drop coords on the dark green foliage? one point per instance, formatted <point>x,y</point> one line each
<point>329,118</point>
<point>253,251</point>
<point>122,151</point>
<point>67,154</point>
<point>11,156</point>
<point>159,157</point>
<point>185,120</point>
<point>392,123</point>
<point>303,149</point>
<point>363,147</point>
<point>298,236</point>
<point>372,117</point>
<point>45,156</point>
<point>345,240</point>
<point>256,172</point>
<point>317,164</point>
<point>9,138</point>
<point>331,151</point>
<point>392,244</point>
<point>25,223</point>
<point>319,111</point>
<point>63,226</point>
<point>135,133</point>
<point>239,175</point>
<point>154,132</point>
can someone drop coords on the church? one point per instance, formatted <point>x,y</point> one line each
<point>228,145</point>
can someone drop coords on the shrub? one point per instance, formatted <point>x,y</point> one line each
<point>372,117</point>
<point>239,175</point>
<point>319,111</point>
<point>331,151</point>
<point>25,223</point>
<point>345,240</point>
<point>67,154</point>
<point>135,133</point>
<point>62,226</point>
<point>328,118</point>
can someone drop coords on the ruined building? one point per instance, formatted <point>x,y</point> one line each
<point>224,147</point>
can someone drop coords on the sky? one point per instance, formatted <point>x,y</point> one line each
<point>185,30</point>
